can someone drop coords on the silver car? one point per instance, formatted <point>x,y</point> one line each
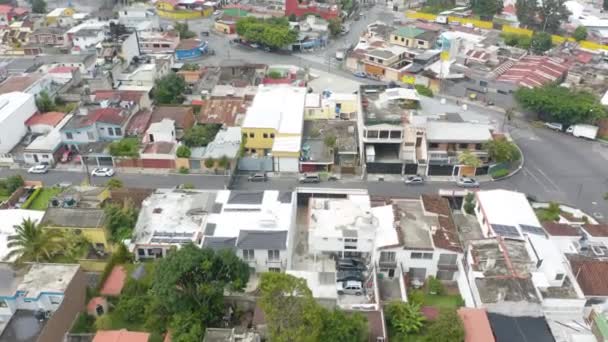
<point>40,168</point>
<point>350,287</point>
<point>103,172</point>
<point>414,180</point>
<point>467,182</point>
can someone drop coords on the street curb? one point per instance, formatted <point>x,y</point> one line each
<point>521,166</point>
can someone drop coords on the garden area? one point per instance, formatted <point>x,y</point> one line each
<point>41,199</point>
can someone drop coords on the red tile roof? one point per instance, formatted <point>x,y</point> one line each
<point>113,116</point>
<point>597,230</point>
<point>115,282</point>
<point>49,118</point>
<point>139,122</point>
<point>62,70</point>
<point>5,9</point>
<point>189,44</point>
<point>120,95</point>
<point>560,229</point>
<point>591,274</point>
<point>584,57</point>
<point>534,71</point>
<point>476,325</point>
<point>18,83</point>
<point>121,336</point>
<point>446,235</point>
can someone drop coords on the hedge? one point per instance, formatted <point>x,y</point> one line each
<point>499,173</point>
<point>31,199</point>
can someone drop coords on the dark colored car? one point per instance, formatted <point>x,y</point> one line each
<point>350,264</point>
<point>346,275</point>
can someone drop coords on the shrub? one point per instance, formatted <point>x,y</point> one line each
<point>499,173</point>
<point>187,186</point>
<point>31,199</point>
<point>183,152</point>
<point>469,204</point>
<point>114,183</point>
<point>423,90</point>
<point>209,163</point>
<point>184,170</point>
<point>223,162</point>
<point>435,286</point>
<point>275,74</point>
<point>84,324</point>
<point>416,297</point>
<point>103,322</point>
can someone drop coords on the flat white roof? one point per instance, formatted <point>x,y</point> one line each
<point>339,217</point>
<point>164,125</point>
<point>313,100</point>
<point>443,131</point>
<point>320,284</point>
<point>287,144</point>
<point>386,234</point>
<point>506,207</point>
<point>10,102</point>
<point>51,140</point>
<point>278,107</point>
<point>47,278</point>
<point>9,218</point>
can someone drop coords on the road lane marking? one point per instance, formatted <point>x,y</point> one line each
<point>542,184</point>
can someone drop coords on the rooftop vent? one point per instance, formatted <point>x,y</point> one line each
<point>157,210</point>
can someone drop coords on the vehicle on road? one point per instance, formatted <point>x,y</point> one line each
<point>414,180</point>
<point>102,172</point>
<point>352,287</point>
<point>467,182</point>
<point>257,177</point>
<point>360,74</point>
<point>554,126</point>
<point>350,264</point>
<point>583,131</point>
<point>339,55</point>
<point>40,168</point>
<point>204,33</point>
<point>310,179</point>
<point>347,275</point>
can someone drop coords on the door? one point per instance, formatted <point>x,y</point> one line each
<point>35,158</point>
<point>391,273</point>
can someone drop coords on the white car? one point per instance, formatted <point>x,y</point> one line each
<point>350,287</point>
<point>40,168</point>
<point>556,126</point>
<point>466,182</point>
<point>103,172</point>
<point>414,180</point>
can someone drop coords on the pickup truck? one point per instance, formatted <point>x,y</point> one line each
<point>583,131</point>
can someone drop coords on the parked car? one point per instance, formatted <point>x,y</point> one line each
<point>350,264</point>
<point>346,275</point>
<point>350,287</point>
<point>554,126</point>
<point>102,172</point>
<point>360,74</point>
<point>414,180</point>
<point>205,33</point>
<point>583,131</point>
<point>40,168</point>
<point>467,182</point>
<point>310,179</point>
<point>257,177</point>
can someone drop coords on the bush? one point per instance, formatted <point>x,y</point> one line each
<point>423,90</point>
<point>114,183</point>
<point>499,173</point>
<point>183,152</point>
<point>469,204</point>
<point>31,199</point>
<point>103,322</point>
<point>416,297</point>
<point>187,186</point>
<point>184,170</point>
<point>274,74</point>
<point>84,324</point>
<point>209,163</point>
<point>435,286</point>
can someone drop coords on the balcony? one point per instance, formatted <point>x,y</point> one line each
<point>387,263</point>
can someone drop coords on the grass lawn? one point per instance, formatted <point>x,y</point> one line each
<point>42,201</point>
<point>442,301</point>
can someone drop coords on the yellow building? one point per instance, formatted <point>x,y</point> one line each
<point>330,105</point>
<point>273,125</point>
<point>88,222</point>
<point>53,16</point>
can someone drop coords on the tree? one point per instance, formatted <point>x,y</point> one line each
<point>32,242</point>
<point>186,327</point>
<point>120,220</point>
<point>469,159</point>
<point>44,102</point>
<point>502,150</point>
<point>559,104</point>
<point>13,183</point>
<point>209,162</point>
<point>75,246</point>
<point>114,183</point>
<point>169,89</point>
<point>338,326</point>
<point>193,280</point>
<point>540,42</point>
<point>200,135</point>
<point>183,152</point>
<point>404,318</point>
<point>446,328</point>
<point>223,162</point>
<point>289,308</point>
<point>551,213</point>
<point>552,13</point>
<point>184,31</point>
<point>469,203</point>
<point>126,147</point>
<point>435,286</point>
<point>39,6</point>
<point>273,33</point>
<point>330,141</point>
<point>580,33</point>
<point>526,12</point>
<point>486,9</point>
<point>335,26</point>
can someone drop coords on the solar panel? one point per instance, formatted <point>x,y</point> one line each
<point>503,230</point>
<point>532,229</point>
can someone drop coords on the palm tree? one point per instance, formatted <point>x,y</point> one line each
<point>33,243</point>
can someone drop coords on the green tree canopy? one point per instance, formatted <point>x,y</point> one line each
<point>200,135</point>
<point>486,9</point>
<point>33,243</point>
<point>404,318</point>
<point>39,6</point>
<point>184,30</point>
<point>338,326</point>
<point>44,102</point>
<point>502,150</point>
<point>335,26</point>
<point>540,42</point>
<point>552,14</point>
<point>566,106</point>
<point>526,12</point>
<point>446,328</point>
<point>120,220</point>
<point>580,33</point>
<point>126,147</point>
<point>169,89</point>
<point>274,33</point>
<point>469,159</point>
<point>183,152</point>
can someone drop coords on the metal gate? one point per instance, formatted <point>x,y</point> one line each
<point>440,170</point>
<point>387,168</point>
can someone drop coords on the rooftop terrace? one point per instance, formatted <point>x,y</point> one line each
<point>381,104</point>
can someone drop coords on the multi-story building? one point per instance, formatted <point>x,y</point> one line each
<point>158,42</point>
<point>15,109</point>
<point>413,37</point>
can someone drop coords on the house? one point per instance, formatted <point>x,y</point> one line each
<point>15,109</point>
<point>140,98</point>
<point>476,325</point>
<point>229,111</point>
<point>317,155</point>
<point>9,219</point>
<point>50,36</point>
<point>41,123</point>
<point>257,225</point>
<point>40,301</point>
<point>61,16</point>
<point>190,48</point>
<point>300,8</point>
<point>86,39</point>
<point>29,83</point>
<point>535,71</point>
<point>101,124</point>
<point>160,131</point>
<point>158,42</point>
<point>49,147</point>
<point>121,336</point>
<point>183,117</point>
<point>8,13</point>
<point>273,125</point>
<point>413,37</point>
<point>90,222</point>
<point>330,105</point>
<point>525,328</point>
<point>226,144</point>
<point>137,14</point>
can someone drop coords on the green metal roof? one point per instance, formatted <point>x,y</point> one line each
<point>602,325</point>
<point>408,32</point>
<point>234,12</point>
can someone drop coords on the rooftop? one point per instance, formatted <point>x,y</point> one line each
<point>19,83</point>
<point>345,132</point>
<point>139,122</point>
<point>114,116</point>
<point>277,107</point>
<point>591,274</point>
<point>408,32</point>
<point>41,278</point>
<point>445,234</point>
<point>227,142</point>
<point>414,225</point>
<point>350,217</point>
<point>178,114</point>
<point>596,230</point>
<point>173,217</point>
<point>561,229</point>
<point>508,212</point>
<point>509,328</point>
<point>159,147</point>
<point>23,326</point>
<point>534,71</point>
<point>48,118</point>
<point>74,217</point>
<point>476,325</point>
<point>121,336</point>
<point>10,102</point>
<point>223,111</point>
<point>189,44</point>
<point>115,282</point>
<point>455,132</point>
<point>382,105</point>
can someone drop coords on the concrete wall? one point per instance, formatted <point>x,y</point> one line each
<point>12,128</point>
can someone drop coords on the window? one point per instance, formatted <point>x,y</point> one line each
<point>478,146</point>
<point>383,134</point>
<point>559,276</point>
<point>45,156</point>
<point>110,131</point>
<point>273,254</point>
<point>433,145</point>
<point>395,134</point>
<point>402,39</point>
<point>69,136</point>
<point>447,259</point>
<point>56,300</point>
<point>502,92</point>
<point>427,255</point>
<point>463,145</point>
<point>387,256</point>
<point>372,134</point>
<point>483,83</point>
<point>248,254</point>
<point>416,255</point>
<point>274,269</point>
<point>421,42</point>
<point>445,275</point>
<point>350,240</point>
<point>271,135</point>
<point>118,131</point>
<point>251,135</point>
<point>253,150</point>
<point>141,252</point>
<point>265,135</point>
<point>3,304</point>
<point>90,135</point>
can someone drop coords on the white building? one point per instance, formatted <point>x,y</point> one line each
<point>163,130</point>
<point>15,109</point>
<point>46,148</point>
<point>134,16</point>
